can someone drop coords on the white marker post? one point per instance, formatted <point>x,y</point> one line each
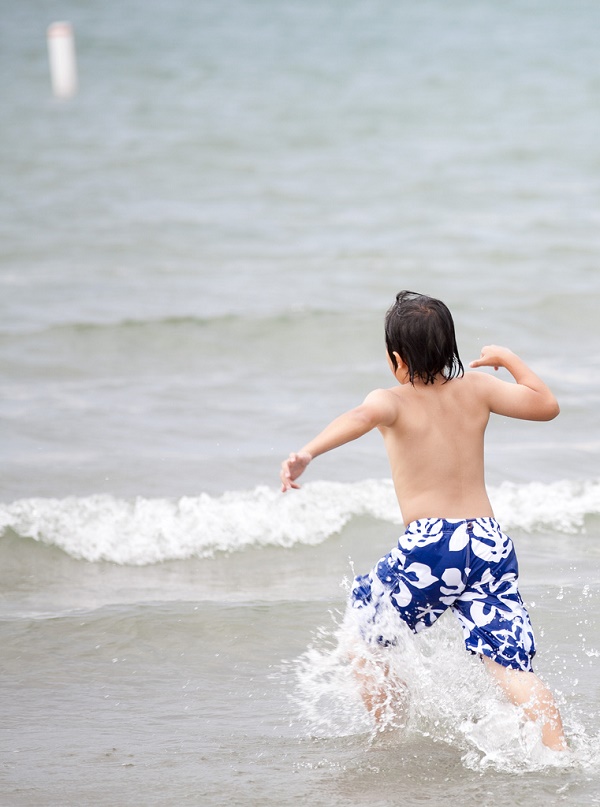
<point>61,52</point>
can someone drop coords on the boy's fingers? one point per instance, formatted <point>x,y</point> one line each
<point>484,363</point>
<point>290,470</point>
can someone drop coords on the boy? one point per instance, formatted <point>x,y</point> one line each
<point>453,553</point>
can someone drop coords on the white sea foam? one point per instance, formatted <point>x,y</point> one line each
<point>558,506</point>
<point>145,531</point>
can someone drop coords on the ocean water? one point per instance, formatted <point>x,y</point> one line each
<point>196,255</point>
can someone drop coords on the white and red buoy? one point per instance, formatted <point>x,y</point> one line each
<point>63,63</point>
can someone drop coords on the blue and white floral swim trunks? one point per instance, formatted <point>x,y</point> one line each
<point>468,566</point>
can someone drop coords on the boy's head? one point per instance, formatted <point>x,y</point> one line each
<point>420,330</point>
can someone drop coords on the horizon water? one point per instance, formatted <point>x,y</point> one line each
<point>197,254</point>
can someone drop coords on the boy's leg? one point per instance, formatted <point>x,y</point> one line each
<point>372,686</point>
<point>382,693</point>
<point>409,585</point>
<point>525,689</point>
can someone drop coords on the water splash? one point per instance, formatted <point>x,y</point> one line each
<point>434,691</point>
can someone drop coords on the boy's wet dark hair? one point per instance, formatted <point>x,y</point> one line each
<point>421,330</point>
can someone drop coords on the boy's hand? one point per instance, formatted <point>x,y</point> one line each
<point>292,468</point>
<point>493,356</point>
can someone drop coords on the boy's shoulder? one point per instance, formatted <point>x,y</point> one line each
<point>481,388</point>
<point>476,383</point>
<point>382,392</point>
<point>479,380</point>
<point>382,405</point>
<point>476,377</point>
<point>383,395</point>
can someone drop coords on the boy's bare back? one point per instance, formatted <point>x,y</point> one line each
<point>434,443</point>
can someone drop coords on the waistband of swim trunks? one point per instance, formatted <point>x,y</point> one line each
<point>423,524</point>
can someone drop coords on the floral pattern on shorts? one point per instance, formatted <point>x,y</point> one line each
<point>469,566</point>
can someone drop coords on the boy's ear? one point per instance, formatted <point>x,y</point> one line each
<point>401,373</point>
<point>399,360</point>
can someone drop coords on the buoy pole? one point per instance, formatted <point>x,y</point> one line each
<point>63,65</point>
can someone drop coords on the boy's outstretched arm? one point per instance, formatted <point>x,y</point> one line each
<point>529,399</point>
<point>378,409</point>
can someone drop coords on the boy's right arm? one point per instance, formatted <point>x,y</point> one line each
<point>529,399</point>
<point>378,409</point>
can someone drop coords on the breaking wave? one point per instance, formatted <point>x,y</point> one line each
<point>145,531</point>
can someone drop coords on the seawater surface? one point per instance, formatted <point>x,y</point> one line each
<point>197,254</point>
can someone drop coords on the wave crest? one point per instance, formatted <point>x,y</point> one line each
<point>146,531</point>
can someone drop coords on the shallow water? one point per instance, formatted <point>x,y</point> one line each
<point>197,253</point>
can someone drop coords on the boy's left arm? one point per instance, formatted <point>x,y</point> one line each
<point>376,410</point>
<point>529,399</point>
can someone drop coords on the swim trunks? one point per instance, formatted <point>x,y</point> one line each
<point>469,566</point>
